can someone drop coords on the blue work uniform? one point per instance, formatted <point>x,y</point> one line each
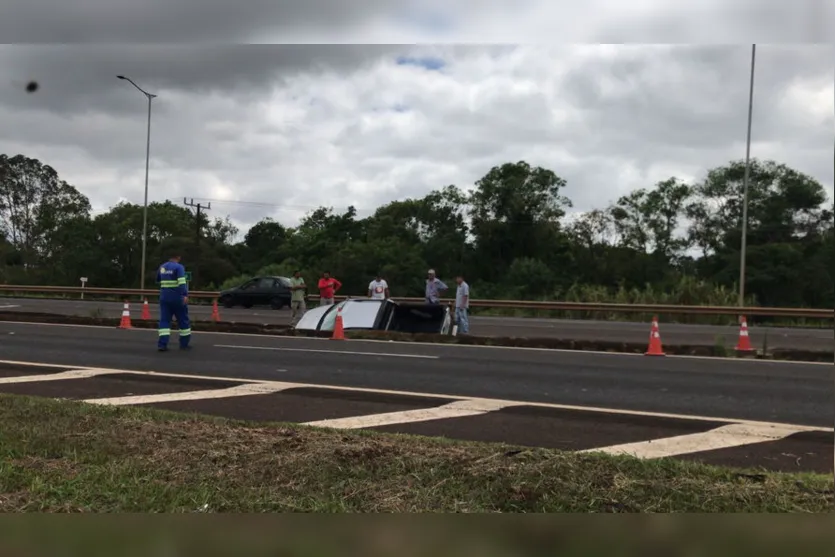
<point>171,277</point>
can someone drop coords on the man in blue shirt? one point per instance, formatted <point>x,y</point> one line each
<point>434,287</point>
<point>173,301</point>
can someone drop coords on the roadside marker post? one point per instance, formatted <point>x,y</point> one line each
<point>83,285</point>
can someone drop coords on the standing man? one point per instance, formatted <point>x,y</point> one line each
<point>378,289</point>
<point>297,305</point>
<point>173,301</point>
<point>462,305</point>
<point>328,287</point>
<point>434,288</point>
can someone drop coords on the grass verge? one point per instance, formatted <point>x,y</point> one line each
<point>70,456</point>
<point>716,350</point>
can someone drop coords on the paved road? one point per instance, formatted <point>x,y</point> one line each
<point>806,339</point>
<point>549,397</point>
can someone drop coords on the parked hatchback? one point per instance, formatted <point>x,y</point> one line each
<point>260,291</point>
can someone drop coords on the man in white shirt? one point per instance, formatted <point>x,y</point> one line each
<point>378,289</point>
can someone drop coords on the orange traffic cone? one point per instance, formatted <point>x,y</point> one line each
<point>744,344</point>
<point>338,330</point>
<point>146,311</point>
<point>215,312</point>
<point>125,323</point>
<point>654,348</point>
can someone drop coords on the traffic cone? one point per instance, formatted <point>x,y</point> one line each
<point>744,344</point>
<point>338,330</point>
<point>125,323</point>
<point>215,312</point>
<point>654,348</point>
<point>146,311</point>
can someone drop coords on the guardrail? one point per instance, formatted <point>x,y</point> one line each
<point>660,309</point>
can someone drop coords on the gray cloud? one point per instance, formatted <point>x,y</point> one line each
<point>172,21</point>
<point>278,130</point>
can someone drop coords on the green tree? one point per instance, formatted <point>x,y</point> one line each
<point>515,212</point>
<point>34,204</point>
<point>648,220</point>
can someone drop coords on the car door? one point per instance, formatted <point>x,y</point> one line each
<point>264,291</point>
<point>245,293</point>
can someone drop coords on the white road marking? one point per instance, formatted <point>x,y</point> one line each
<point>353,353</point>
<point>72,374</point>
<point>7,306</point>
<point>724,437</point>
<point>751,361</point>
<point>240,390</point>
<point>616,411</point>
<point>457,409</point>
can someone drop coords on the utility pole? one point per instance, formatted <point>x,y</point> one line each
<point>199,207</point>
<point>744,243</point>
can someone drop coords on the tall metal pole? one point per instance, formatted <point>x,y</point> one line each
<point>145,205</point>
<point>150,97</point>
<point>744,246</point>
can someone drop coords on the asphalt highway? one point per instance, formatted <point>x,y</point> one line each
<point>672,406</point>
<point>776,337</point>
<point>788,392</point>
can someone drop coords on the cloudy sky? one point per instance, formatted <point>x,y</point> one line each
<point>279,129</point>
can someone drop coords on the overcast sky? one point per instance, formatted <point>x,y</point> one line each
<point>277,130</point>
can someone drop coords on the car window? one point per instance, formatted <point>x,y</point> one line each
<point>248,285</point>
<point>360,315</point>
<point>266,283</point>
<point>284,281</point>
<point>311,318</point>
<point>330,319</point>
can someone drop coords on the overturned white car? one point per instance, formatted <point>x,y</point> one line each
<point>379,315</point>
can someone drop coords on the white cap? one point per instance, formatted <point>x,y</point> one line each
<point>431,271</point>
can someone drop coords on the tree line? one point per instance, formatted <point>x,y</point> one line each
<point>513,236</point>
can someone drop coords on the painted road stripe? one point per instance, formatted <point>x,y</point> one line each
<point>462,347</point>
<point>457,409</point>
<point>8,306</point>
<point>72,374</point>
<point>724,437</point>
<point>282,349</point>
<point>240,390</point>
<point>557,406</point>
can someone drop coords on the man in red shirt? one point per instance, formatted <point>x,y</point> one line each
<point>328,286</point>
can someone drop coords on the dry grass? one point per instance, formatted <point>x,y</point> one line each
<point>72,457</point>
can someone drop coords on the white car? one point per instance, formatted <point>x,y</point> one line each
<point>379,315</point>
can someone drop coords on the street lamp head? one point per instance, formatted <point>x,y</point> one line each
<point>121,77</point>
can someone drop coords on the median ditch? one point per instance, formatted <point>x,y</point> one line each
<point>516,342</point>
<point>76,457</point>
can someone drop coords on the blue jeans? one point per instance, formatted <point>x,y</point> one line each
<point>463,320</point>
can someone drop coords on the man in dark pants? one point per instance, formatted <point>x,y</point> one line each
<point>173,301</point>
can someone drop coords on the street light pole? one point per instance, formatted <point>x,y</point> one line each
<point>150,97</point>
<point>744,246</point>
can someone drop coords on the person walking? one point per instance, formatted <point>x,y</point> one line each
<point>462,305</point>
<point>297,292</point>
<point>173,302</point>
<point>434,288</point>
<point>328,287</point>
<point>378,289</point>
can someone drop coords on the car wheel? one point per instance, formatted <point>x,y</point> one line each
<point>228,303</point>
<point>277,303</point>
<point>248,305</point>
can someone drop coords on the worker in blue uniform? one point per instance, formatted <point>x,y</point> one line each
<point>173,301</point>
